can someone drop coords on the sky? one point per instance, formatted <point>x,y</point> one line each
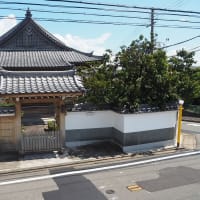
<point>92,37</point>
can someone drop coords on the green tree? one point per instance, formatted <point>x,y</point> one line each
<point>136,77</point>
<point>97,80</point>
<point>196,83</point>
<point>181,69</point>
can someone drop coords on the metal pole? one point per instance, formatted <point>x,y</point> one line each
<point>152,30</point>
<point>180,111</point>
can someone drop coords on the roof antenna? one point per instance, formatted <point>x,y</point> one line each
<point>28,13</point>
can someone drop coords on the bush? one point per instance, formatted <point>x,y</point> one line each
<point>52,125</point>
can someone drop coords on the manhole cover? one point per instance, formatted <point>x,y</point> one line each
<point>110,191</point>
<point>133,188</point>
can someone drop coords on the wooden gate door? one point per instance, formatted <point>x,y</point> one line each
<point>40,132</point>
<point>41,142</point>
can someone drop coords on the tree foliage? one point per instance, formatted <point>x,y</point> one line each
<point>196,83</point>
<point>183,75</point>
<point>137,77</point>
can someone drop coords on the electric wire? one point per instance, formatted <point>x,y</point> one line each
<point>180,42</point>
<point>125,6</point>
<point>108,22</point>
<point>109,15</point>
<point>102,15</point>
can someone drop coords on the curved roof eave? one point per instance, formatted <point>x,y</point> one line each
<point>28,19</point>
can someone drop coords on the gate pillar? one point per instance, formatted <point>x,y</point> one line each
<point>18,124</point>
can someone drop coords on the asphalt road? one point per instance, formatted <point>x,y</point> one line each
<point>173,179</point>
<point>191,127</point>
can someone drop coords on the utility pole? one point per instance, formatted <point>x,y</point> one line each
<point>152,30</point>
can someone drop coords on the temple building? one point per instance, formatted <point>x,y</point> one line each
<point>37,75</point>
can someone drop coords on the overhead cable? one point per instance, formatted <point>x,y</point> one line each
<point>125,6</point>
<point>180,42</point>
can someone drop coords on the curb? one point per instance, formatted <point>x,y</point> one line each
<point>193,119</point>
<point>98,161</point>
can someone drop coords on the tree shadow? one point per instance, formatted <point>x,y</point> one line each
<point>172,177</point>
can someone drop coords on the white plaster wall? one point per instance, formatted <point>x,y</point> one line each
<point>149,146</point>
<point>125,123</point>
<point>118,121</point>
<point>87,120</point>
<point>149,121</point>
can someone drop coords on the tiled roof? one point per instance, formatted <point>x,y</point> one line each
<point>29,27</point>
<point>39,82</point>
<point>7,110</point>
<point>37,60</point>
<point>30,45</point>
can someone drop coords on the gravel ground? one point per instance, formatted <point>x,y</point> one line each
<point>97,150</point>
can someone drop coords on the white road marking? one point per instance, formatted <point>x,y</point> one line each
<point>84,171</point>
<point>193,124</point>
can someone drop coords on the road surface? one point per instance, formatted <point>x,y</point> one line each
<point>171,179</point>
<point>191,127</point>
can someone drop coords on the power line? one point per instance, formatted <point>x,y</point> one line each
<point>135,7</point>
<point>125,6</point>
<point>78,7</point>
<point>194,48</point>
<point>180,42</point>
<point>99,4</point>
<point>77,13</point>
<point>96,8</point>
<point>176,20</point>
<point>108,22</point>
<point>83,21</point>
<point>186,50</point>
<point>180,15</point>
<point>102,15</point>
<point>111,23</point>
<point>176,26</point>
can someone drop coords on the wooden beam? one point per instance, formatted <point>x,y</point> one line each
<point>70,94</point>
<point>35,101</point>
<point>60,118</point>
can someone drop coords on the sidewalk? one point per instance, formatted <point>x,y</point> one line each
<point>191,119</point>
<point>189,141</point>
<point>34,161</point>
<point>48,160</point>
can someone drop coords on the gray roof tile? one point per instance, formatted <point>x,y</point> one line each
<point>41,59</point>
<point>30,46</point>
<point>39,82</point>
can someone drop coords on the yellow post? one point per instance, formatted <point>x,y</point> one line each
<point>180,111</point>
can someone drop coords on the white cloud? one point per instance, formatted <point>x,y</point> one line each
<point>85,44</point>
<point>7,23</point>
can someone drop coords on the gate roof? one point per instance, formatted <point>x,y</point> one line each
<point>39,82</point>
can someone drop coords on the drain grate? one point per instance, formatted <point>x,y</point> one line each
<point>134,188</point>
<point>110,191</point>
